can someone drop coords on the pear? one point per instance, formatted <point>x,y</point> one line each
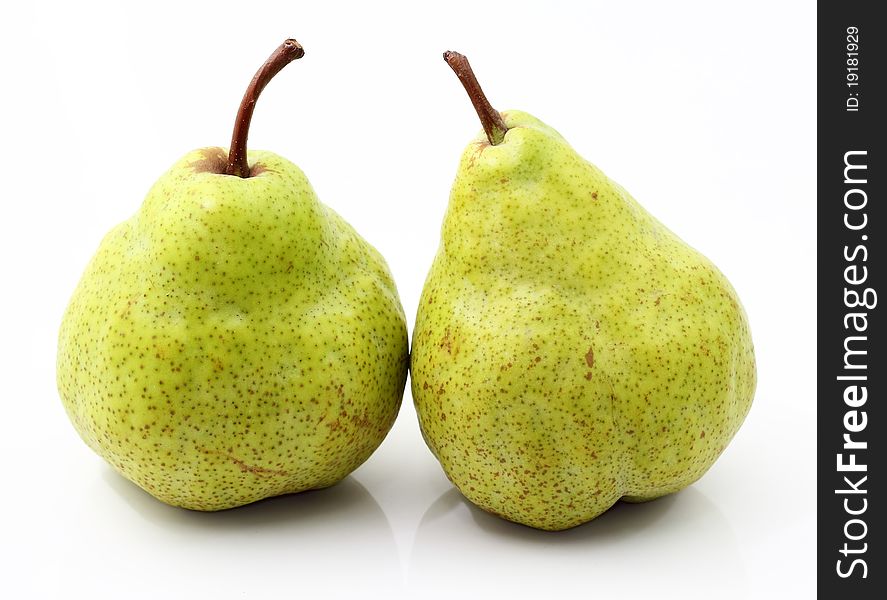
<point>569,350</point>
<point>235,339</point>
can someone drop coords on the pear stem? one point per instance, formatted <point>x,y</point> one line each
<point>490,118</point>
<point>287,52</point>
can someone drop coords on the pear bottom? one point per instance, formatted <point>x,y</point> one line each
<point>570,517</point>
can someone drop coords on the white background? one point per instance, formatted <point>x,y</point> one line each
<point>705,111</point>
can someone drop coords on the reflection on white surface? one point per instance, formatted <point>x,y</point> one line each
<point>304,539</point>
<point>632,549</point>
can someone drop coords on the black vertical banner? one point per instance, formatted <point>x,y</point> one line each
<point>852,364</point>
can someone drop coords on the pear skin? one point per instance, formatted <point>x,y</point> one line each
<point>569,350</point>
<point>234,340</point>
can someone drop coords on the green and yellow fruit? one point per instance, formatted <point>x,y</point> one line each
<point>235,339</point>
<point>569,350</point>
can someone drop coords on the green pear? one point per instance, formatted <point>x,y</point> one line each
<point>569,350</point>
<point>235,339</point>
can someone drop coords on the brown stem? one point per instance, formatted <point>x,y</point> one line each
<point>490,118</point>
<point>287,52</point>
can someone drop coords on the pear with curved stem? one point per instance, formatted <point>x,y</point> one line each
<point>235,339</point>
<point>569,350</point>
